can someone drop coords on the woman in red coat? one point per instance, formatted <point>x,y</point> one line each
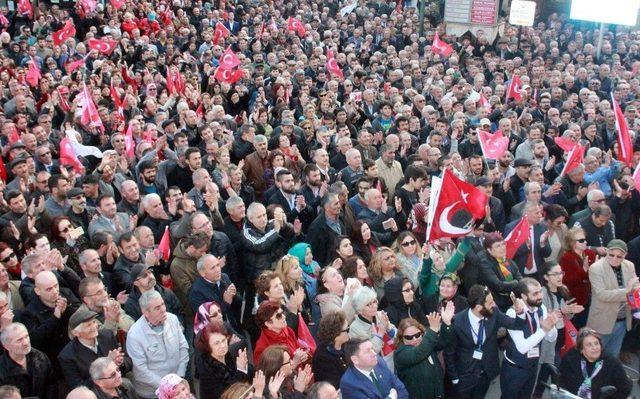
<point>272,322</point>
<point>575,264</point>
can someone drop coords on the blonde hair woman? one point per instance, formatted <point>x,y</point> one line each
<point>383,267</point>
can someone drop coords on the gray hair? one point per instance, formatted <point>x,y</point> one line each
<point>592,193</point>
<point>147,297</point>
<point>98,366</point>
<point>528,186</point>
<point>232,202</point>
<point>10,330</point>
<point>147,198</point>
<point>81,392</point>
<point>202,261</point>
<point>314,391</point>
<point>82,258</point>
<point>9,391</point>
<point>29,262</point>
<point>199,175</point>
<point>362,297</point>
<point>253,208</point>
<point>259,138</point>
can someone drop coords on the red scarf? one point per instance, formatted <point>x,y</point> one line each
<point>286,337</point>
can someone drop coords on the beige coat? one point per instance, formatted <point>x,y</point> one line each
<point>606,296</point>
<point>390,175</point>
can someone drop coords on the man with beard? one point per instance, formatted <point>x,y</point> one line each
<point>95,298</point>
<point>294,204</point>
<point>79,213</point>
<point>520,365</point>
<point>143,280</point>
<point>472,358</point>
<point>148,173</point>
<point>314,188</point>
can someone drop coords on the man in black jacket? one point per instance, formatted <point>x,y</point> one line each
<point>76,357</point>
<point>472,359</point>
<point>26,368</point>
<point>326,228</point>
<point>47,316</point>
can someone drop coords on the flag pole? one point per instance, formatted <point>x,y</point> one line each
<point>484,153</point>
<point>436,185</point>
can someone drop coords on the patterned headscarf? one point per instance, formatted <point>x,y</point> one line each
<point>201,319</point>
<point>169,386</point>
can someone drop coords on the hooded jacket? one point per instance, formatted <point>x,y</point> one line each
<point>396,308</point>
<point>264,247</point>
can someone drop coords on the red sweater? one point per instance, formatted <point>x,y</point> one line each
<point>286,337</point>
<point>575,278</point>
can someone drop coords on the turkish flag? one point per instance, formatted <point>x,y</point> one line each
<point>117,4</point>
<point>570,336</point>
<point>200,110</point>
<point>179,83</point>
<point>221,32</point>
<point>440,47</point>
<point>229,59</point>
<point>625,148</point>
<point>68,156</point>
<point>89,6</point>
<point>164,248</point>
<point>14,136</point>
<point>25,8</point>
<point>305,339</point>
<point>565,143</point>
<point>518,236</point>
<point>294,25</point>
<point>89,116</point>
<point>129,143</point>
<point>104,46</point>
<point>67,31</point>
<point>33,74</point>
<point>62,100</point>
<point>73,65</point>
<point>485,103</point>
<point>457,204</point>
<point>574,159</point>
<point>515,88</point>
<point>636,177</point>
<point>493,145</point>
<point>170,85</point>
<point>332,65</point>
<point>228,76</point>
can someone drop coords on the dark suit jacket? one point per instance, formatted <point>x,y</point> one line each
<point>306,215</point>
<point>459,355</point>
<point>76,358</point>
<point>374,220</point>
<point>321,237</point>
<point>539,252</point>
<point>355,385</point>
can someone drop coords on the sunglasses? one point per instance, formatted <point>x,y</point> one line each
<point>6,258</point>
<point>581,240</point>
<point>408,243</point>
<point>412,337</point>
<point>279,315</point>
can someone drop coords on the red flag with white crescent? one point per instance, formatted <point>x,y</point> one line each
<point>221,32</point>
<point>625,148</point>
<point>515,88</point>
<point>518,236</point>
<point>493,145</point>
<point>574,159</point>
<point>229,59</point>
<point>440,47</point>
<point>565,143</point>
<point>33,74</point>
<point>73,65</point>
<point>485,103</point>
<point>68,155</point>
<point>295,25</point>
<point>90,116</point>
<point>25,8</point>
<point>164,248</point>
<point>458,204</point>
<point>104,46</point>
<point>228,76</point>
<point>332,65</point>
<point>62,100</point>
<point>67,31</point>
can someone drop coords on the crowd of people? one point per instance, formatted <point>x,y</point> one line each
<point>231,200</point>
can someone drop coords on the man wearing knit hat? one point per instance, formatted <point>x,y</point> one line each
<point>612,278</point>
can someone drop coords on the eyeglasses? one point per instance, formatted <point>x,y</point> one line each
<point>6,258</point>
<point>412,337</point>
<point>581,240</point>
<point>110,376</point>
<point>408,243</point>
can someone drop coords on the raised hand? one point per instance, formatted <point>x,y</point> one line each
<point>259,382</point>
<point>275,383</point>
<point>242,362</point>
<point>303,378</point>
<point>448,312</point>
<point>434,321</point>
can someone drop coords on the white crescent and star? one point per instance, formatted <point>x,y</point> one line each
<point>447,227</point>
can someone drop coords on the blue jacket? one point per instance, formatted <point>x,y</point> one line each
<point>355,385</point>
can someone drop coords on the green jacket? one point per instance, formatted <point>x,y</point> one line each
<point>418,367</point>
<point>429,279</point>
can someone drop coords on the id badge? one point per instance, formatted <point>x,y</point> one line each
<point>477,354</point>
<point>534,352</point>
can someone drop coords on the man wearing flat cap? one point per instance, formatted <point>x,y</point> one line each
<point>88,344</point>
<point>612,278</point>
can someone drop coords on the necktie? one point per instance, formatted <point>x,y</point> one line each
<point>480,333</point>
<point>529,264</point>
<point>532,321</point>
<point>376,382</point>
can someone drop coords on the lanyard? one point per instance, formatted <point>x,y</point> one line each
<point>479,335</point>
